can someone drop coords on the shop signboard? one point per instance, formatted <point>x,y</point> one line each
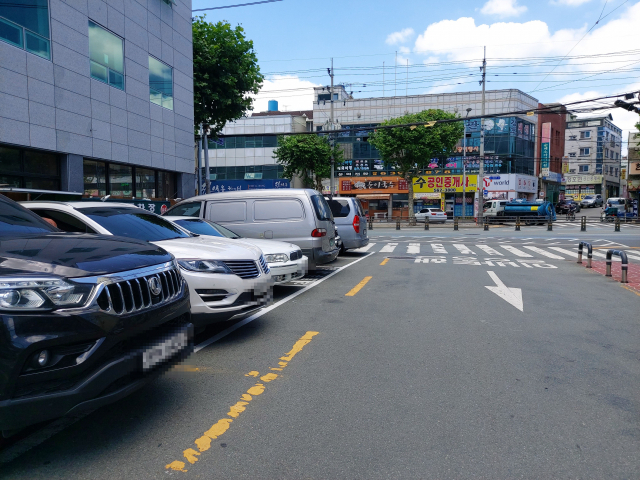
<point>445,183</point>
<point>633,185</point>
<point>582,179</point>
<point>553,177</point>
<point>148,205</point>
<point>235,185</point>
<point>373,185</point>
<point>634,168</point>
<point>545,149</point>
<point>511,183</point>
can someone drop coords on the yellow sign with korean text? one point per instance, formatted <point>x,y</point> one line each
<point>444,183</point>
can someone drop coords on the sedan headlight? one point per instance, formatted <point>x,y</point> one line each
<point>205,266</point>
<point>41,294</point>
<point>276,258</point>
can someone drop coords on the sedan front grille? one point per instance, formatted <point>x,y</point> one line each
<point>140,293</point>
<point>243,268</point>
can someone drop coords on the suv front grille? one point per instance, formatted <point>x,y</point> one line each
<point>243,268</point>
<point>295,255</point>
<point>263,265</point>
<point>136,294</point>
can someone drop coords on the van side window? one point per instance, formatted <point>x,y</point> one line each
<point>227,211</point>
<point>277,210</point>
<point>339,208</point>
<point>191,209</point>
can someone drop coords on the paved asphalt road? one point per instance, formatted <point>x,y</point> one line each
<point>401,365</point>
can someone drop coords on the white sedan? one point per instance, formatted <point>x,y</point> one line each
<point>435,215</point>
<point>285,259</point>
<point>227,279</point>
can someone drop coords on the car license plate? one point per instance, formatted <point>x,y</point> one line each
<point>164,350</point>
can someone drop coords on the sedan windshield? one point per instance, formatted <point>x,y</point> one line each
<point>134,223</point>
<point>204,227</point>
<point>16,220</point>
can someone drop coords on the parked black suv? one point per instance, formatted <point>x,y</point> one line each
<point>84,319</point>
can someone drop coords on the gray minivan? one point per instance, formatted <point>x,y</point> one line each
<point>297,215</point>
<point>350,219</point>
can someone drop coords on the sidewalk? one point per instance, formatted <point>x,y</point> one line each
<point>633,273</point>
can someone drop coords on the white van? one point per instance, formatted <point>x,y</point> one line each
<point>297,215</point>
<point>494,208</point>
<point>617,202</point>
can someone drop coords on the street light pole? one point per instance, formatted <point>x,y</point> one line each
<point>481,169</point>
<point>331,140</point>
<point>464,167</point>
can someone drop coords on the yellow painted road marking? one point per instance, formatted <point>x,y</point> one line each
<point>384,262</point>
<point>358,287</point>
<point>204,442</point>
<point>630,289</point>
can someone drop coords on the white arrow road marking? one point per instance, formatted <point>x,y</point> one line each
<point>511,295</point>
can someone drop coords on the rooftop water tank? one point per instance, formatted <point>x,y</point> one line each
<point>272,106</point>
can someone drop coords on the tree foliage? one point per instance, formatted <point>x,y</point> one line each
<point>308,157</point>
<point>225,74</point>
<point>409,149</point>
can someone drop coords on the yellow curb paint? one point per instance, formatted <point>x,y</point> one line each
<point>630,289</point>
<point>358,287</point>
<point>384,262</point>
<point>204,442</point>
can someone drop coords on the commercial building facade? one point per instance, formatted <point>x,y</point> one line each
<point>593,152</point>
<point>633,166</point>
<point>97,97</point>
<point>552,121</point>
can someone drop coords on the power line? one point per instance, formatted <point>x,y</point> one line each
<point>233,6</point>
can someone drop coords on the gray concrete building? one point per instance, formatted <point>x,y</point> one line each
<point>96,97</point>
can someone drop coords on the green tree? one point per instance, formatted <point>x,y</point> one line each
<point>409,149</point>
<point>225,74</point>
<point>308,157</point>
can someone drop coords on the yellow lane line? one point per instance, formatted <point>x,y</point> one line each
<point>358,287</point>
<point>384,262</point>
<point>630,289</point>
<point>203,443</point>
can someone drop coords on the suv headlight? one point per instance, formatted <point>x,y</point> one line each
<point>206,266</point>
<point>276,258</point>
<point>41,294</point>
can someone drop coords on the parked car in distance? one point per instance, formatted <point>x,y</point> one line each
<point>285,260</point>
<point>435,215</point>
<point>619,203</point>
<point>351,221</point>
<point>296,215</point>
<point>227,280</point>
<point>84,319</point>
<point>563,206</point>
<point>591,201</point>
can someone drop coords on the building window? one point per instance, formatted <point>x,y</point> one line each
<point>95,178</point>
<point>106,55</point>
<point>573,137</point>
<point>585,134</point>
<point>160,83</point>
<point>29,169</point>
<point>25,24</point>
<point>616,172</point>
<point>124,181</point>
<point>572,154</point>
<point>583,168</point>
<point>585,151</point>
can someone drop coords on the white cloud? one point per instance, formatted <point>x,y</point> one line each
<point>402,36</point>
<point>570,3</point>
<point>503,8</point>
<point>290,92</point>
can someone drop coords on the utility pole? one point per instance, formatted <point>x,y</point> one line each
<point>481,170</point>
<point>395,77</point>
<point>331,140</point>
<point>198,163</point>
<point>464,166</point>
<point>207,175</point>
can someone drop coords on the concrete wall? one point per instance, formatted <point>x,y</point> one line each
<point>56,105</point>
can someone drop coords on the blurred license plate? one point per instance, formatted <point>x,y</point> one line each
<point>164,350</point>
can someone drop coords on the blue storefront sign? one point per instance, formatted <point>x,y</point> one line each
<point>218,186</point>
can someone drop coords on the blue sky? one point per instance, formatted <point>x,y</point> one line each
<point>295,39</point>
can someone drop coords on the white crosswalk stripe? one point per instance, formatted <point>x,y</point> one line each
<point>438,248</point>
<point>489,250</point>
<point>366,248</point>
<point>413,248</point>
<point>389,248</point>
<point>543,252</point>
<point>463,249</point>
<point>516,251</point>
<point>633,254</point>
<point>567,252</point>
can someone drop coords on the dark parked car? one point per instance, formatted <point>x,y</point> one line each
<point>564,206</point>
<point>84,319</point>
